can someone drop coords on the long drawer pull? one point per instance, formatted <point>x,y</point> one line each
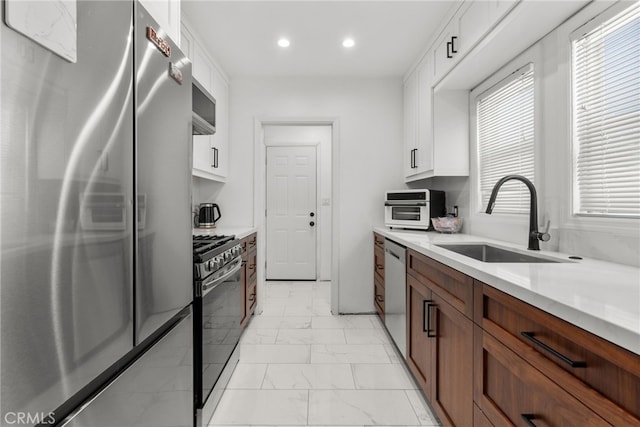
<point>531,337</point>
<point>528,418</point>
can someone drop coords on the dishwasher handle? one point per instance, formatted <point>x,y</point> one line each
<point>389,251</point>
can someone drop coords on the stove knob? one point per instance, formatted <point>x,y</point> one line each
<point>210,265</point>
<point>227,256</point>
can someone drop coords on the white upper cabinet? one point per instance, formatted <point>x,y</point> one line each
<point>410,125</point>
<point>210,152</point>
<point>418,130</point>
<point>167,14</point>
<point>469,24</point>
<point>435,143</point>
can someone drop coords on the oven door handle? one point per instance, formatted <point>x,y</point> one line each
<point>233,267</point>
<point>405,203</point>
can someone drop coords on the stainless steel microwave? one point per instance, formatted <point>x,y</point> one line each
<point>203,109</point>
<point>413,208</point>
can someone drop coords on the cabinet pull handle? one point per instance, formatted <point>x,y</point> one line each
<point>411,161</point>
<point>426,313</point>
<point>215,157</point>
<point>453,46</point>
<point>449,45</point>
<point>429,328</point>
<point>531,337</point>
<point>528,419</point>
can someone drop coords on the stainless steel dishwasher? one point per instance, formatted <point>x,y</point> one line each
<point>395,297</point>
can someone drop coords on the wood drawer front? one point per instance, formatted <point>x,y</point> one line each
<point>480,419</point>
<point>252,241</point>
<point>378,240</point>
<point>378,263</point>
<point>609,383</point>
<point>244,244</point>
<point>453,286</point>
<point>252,264</point>
<point>508,390</point>
<point>378,297</point>
<point>251,298</point>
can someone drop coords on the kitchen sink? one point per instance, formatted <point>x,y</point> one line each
<point>487,253</point>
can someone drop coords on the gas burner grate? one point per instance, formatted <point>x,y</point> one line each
<point>204,244</point>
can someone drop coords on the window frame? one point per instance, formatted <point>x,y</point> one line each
<point>512,77</point>
<point>574,198</point>
<point>587,20</point>
<point>495,223</point>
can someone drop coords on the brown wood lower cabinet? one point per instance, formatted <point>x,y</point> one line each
<point>419,344</point>
<point>484,358</point>
<point>378,274</point>
<point>440,350</point>
<point>510,391</point>
<point>249,277</point>
<point>601,375</point>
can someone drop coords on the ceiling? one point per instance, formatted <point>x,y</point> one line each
<point>242,35</point>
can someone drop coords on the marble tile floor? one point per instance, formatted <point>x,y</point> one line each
<point>301,366</point>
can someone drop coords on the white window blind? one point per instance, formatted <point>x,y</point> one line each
<point>606,117</point>
<point>505,121</point>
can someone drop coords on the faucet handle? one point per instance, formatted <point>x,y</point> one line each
<point>545,236</point>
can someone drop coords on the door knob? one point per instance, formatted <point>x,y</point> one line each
<point>312,223</point>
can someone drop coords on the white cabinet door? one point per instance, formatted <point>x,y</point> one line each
<point>210,152</point>
<point>167,14</point>
<point>425,160</point>
<point>202,67</point>
<point>186,42</point>
<point>410,124</point>
<point>220,141</point>
<point>202,156</point>
<point>474,21</point>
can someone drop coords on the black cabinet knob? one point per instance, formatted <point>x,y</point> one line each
<point>312,214</point>
<point>312,223</point>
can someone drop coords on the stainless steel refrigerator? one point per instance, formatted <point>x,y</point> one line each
<point>95,262</point>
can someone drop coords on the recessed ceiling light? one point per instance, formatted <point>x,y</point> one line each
<point>348,43</point>
<point>283,42</point>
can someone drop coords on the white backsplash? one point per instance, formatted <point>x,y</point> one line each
<point>607,246</point>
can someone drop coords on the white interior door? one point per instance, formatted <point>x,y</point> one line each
<point>291,213</point>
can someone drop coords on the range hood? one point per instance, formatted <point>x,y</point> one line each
<point>203,110</point>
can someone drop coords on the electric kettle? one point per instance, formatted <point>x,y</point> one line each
<point>208,214</point>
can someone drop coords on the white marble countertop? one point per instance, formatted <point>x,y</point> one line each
<point>239,232</point>
<point>600,297</point>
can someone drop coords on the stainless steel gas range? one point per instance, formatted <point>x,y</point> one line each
<point>217,306</point>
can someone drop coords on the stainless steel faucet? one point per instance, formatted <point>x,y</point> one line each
<point>534,235</point>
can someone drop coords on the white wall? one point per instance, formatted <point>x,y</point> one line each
<point>369,147</point>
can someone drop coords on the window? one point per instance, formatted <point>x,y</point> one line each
<point>606,117</point>
<point>505,129</point>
